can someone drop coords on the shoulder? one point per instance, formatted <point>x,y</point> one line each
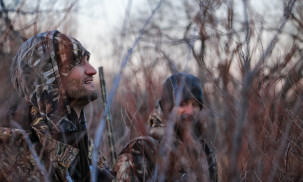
<point>137,159</point>
<point>141,144</point>
<point>140,150</point>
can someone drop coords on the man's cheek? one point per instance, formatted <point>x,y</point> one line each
<point>75,84</point>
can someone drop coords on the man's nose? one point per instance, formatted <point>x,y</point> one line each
<point>189,109</point>
<point>89,69</point>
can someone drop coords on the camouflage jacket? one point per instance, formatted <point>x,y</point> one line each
<point>34,156</point>
<point>57,148</point>
<point>143,159</point>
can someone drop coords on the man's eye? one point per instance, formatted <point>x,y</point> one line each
<point>183,103</point>
<point>77,62</point>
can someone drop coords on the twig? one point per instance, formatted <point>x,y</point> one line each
<point>114,88</point>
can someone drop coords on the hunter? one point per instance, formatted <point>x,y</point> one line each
<point>175,149</point>
<point>52,72</point>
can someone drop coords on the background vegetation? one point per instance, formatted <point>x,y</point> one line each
<point>249,61</point>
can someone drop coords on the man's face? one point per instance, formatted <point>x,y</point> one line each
<point>187,115</point>
<point>79,85</point>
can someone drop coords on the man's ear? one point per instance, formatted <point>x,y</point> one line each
<point>165,108</point>
<point>161,105</point>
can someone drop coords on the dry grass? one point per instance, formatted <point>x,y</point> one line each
<point>253,99</point>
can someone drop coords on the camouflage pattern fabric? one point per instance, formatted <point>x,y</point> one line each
<point>16,160</point>
<point>58,140</point>
<point>142,160</point>
<point>136,161</point>
<point>18,163</point>
<point>156,123</point>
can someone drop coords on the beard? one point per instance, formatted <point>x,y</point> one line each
<point>186,124</point>
<point>82,97</point>
<point>79,95</point>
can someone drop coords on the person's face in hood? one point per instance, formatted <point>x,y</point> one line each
<point>188,111</point>
<point>187,116</point>
<point>79,84</point>
<point>76,71</point>
<point>51,71</point>
<point>182,101</point>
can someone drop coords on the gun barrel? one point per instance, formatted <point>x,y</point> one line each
<point>109,126</point>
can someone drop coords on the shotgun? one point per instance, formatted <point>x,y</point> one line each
<point>109,126</point>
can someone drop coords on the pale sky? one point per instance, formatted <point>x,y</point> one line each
<point>99,21</point>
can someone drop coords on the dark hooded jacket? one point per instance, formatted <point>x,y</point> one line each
<point>57,148</point>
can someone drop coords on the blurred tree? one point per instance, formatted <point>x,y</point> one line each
<point>250,63</point>
<point>251,68</point>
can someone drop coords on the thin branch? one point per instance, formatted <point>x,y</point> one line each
<point>271,45</point>
<point>114,88</point>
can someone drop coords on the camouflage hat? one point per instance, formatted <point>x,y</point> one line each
<point>36,73</point>
<point>180,87</point>
<point>69,52</point>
